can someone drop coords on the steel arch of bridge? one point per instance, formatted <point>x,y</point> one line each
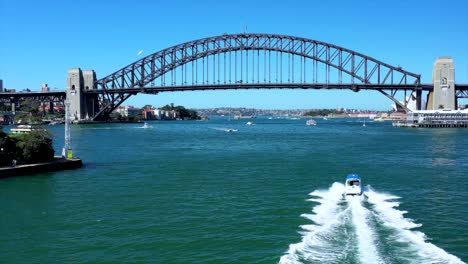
<point>222,62</point>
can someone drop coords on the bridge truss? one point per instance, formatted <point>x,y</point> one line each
<point>252,61</point>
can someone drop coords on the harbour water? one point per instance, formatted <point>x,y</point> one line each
<point>219,191</point>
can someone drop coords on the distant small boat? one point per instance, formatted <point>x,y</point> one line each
<point>324,118</point>
<point>311,122</point>
<point>53,123</point>
<point>364,124</point>
<point>243,117</point>
<point>249,123</point>
<point>145,125</point>
<point>353,185</point>
<point>230,130</point>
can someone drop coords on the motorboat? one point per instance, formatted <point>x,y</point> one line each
<point>311,122</point>
<point>249,123</point>
<point>145,125</point>
<point>230,130</point>
<point>353,185</point>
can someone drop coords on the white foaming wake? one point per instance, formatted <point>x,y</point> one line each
<point>365,234</point>
<point>385,207</point>
<point>314,246</point>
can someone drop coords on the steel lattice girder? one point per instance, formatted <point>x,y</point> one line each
<point>140,74</point>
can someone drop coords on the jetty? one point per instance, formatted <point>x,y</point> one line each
<point>57,164</point>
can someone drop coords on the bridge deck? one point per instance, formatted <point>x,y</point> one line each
<point>201,87</point>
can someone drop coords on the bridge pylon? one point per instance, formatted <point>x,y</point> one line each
<point>83,106</point>
<point>443,77</point>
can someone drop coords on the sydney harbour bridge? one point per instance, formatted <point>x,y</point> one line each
<point>251,61</point>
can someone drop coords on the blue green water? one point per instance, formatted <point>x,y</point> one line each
<point>189,192</point>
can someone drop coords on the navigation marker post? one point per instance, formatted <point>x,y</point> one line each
<point>67,151</point>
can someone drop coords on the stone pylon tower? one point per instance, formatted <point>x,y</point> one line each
<point>83,106</point>
<point>443,78</point>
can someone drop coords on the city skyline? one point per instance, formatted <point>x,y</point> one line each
<point>47,39</point>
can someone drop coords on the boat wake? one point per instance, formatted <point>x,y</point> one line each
<point>146,126</point>
<point>361,229</point>
<point>225,129</point>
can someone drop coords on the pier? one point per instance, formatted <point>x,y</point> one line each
<point>59,163</point>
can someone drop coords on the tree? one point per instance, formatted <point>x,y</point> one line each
<point>34,147</point>
<point>7,149</point>
<point>183,112</point>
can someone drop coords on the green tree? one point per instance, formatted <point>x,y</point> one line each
<point>34,147</point>
<point>7,149</point>
<point>184,113</point>
<point>323,112</point>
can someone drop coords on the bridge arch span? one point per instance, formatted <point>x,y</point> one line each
<point>232,61</point>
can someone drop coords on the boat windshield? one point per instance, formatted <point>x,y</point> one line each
<point>353,183</point>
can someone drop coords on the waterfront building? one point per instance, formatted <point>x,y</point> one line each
<point>158,113</point>
<point>127,111</point>
<point>436,118</point>
<point>148,114</point>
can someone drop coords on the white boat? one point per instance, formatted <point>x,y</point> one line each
<point>249,123</point>
<point>243,117</point>
<point>145,125</point>
<point>325,118</point>
<point>353,185</point>
<point>311,122</point>
<point>230,130</point>
<point>24,129</point>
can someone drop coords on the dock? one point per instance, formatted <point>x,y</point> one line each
<point>58,164</point>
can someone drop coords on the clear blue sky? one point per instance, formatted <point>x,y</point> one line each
<point>41,40</point>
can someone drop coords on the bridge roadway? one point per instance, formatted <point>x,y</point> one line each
<point>201,87</point>
<point>54,96</point>
<point>59,96</point>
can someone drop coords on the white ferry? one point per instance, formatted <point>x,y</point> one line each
<point>24,129</point>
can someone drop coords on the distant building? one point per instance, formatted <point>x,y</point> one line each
<point>127,111</point>
<point>5,120</point>
<point>45,88</point>
<point>148,114</point>
<point>1,86</point>
<point>436,118</point>
<point>57,107</point>
<point>158,113</point>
